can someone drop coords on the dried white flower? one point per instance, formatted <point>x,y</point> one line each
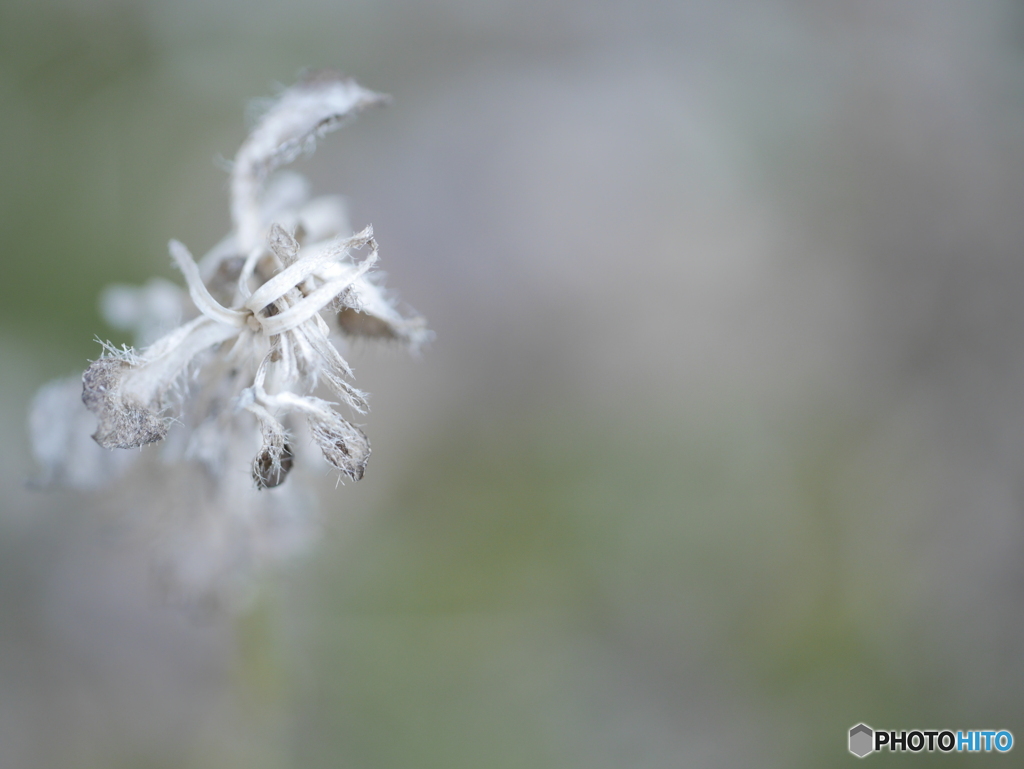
<point>241,373</point>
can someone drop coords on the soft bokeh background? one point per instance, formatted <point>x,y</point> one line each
<point>718,451</point>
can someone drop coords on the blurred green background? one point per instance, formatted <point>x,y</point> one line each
<point>717,452</point>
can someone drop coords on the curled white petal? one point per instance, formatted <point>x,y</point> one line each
<point>310,305</point>
<point>284,281</point>
<point>162,363</point>
<point>246,273</point>
<point>206,304</point>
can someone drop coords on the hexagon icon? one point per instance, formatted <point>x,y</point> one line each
<point>862,740</point>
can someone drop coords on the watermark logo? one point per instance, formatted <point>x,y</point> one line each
<point>863,740</point>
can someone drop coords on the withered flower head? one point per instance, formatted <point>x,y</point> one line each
<point>266,303</point>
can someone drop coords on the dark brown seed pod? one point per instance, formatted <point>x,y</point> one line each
<point>271,467</point>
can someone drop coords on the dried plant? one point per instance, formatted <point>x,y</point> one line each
<point>238,378</point>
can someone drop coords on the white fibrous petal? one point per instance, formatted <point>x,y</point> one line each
<point>335,370</point>
<point>326,261</point>
<point>301,115</point>
<point>163,363</point>
<point>369,313</point>
<point>310,305</point>
<point>125,392</point>
<point>197,290</point>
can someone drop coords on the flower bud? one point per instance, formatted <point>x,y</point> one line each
<point>272,466</point>
<point>343,444</point>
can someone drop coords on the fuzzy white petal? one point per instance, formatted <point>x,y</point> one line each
<point>301,114</point>
<point>204,302</point>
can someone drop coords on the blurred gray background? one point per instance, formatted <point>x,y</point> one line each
<point>718,451</point>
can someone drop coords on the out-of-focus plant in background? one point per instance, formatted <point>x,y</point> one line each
<point>717,452</point>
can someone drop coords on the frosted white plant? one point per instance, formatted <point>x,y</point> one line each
<point>239,377</point>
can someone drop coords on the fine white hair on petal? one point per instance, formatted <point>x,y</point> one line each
<point>370,312</point>
<point>167,358</point>
<point>303,113</point>
<point>343,444</point>
<point>315,301</point>
<point>125,422</point>
<point>294,274</point>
